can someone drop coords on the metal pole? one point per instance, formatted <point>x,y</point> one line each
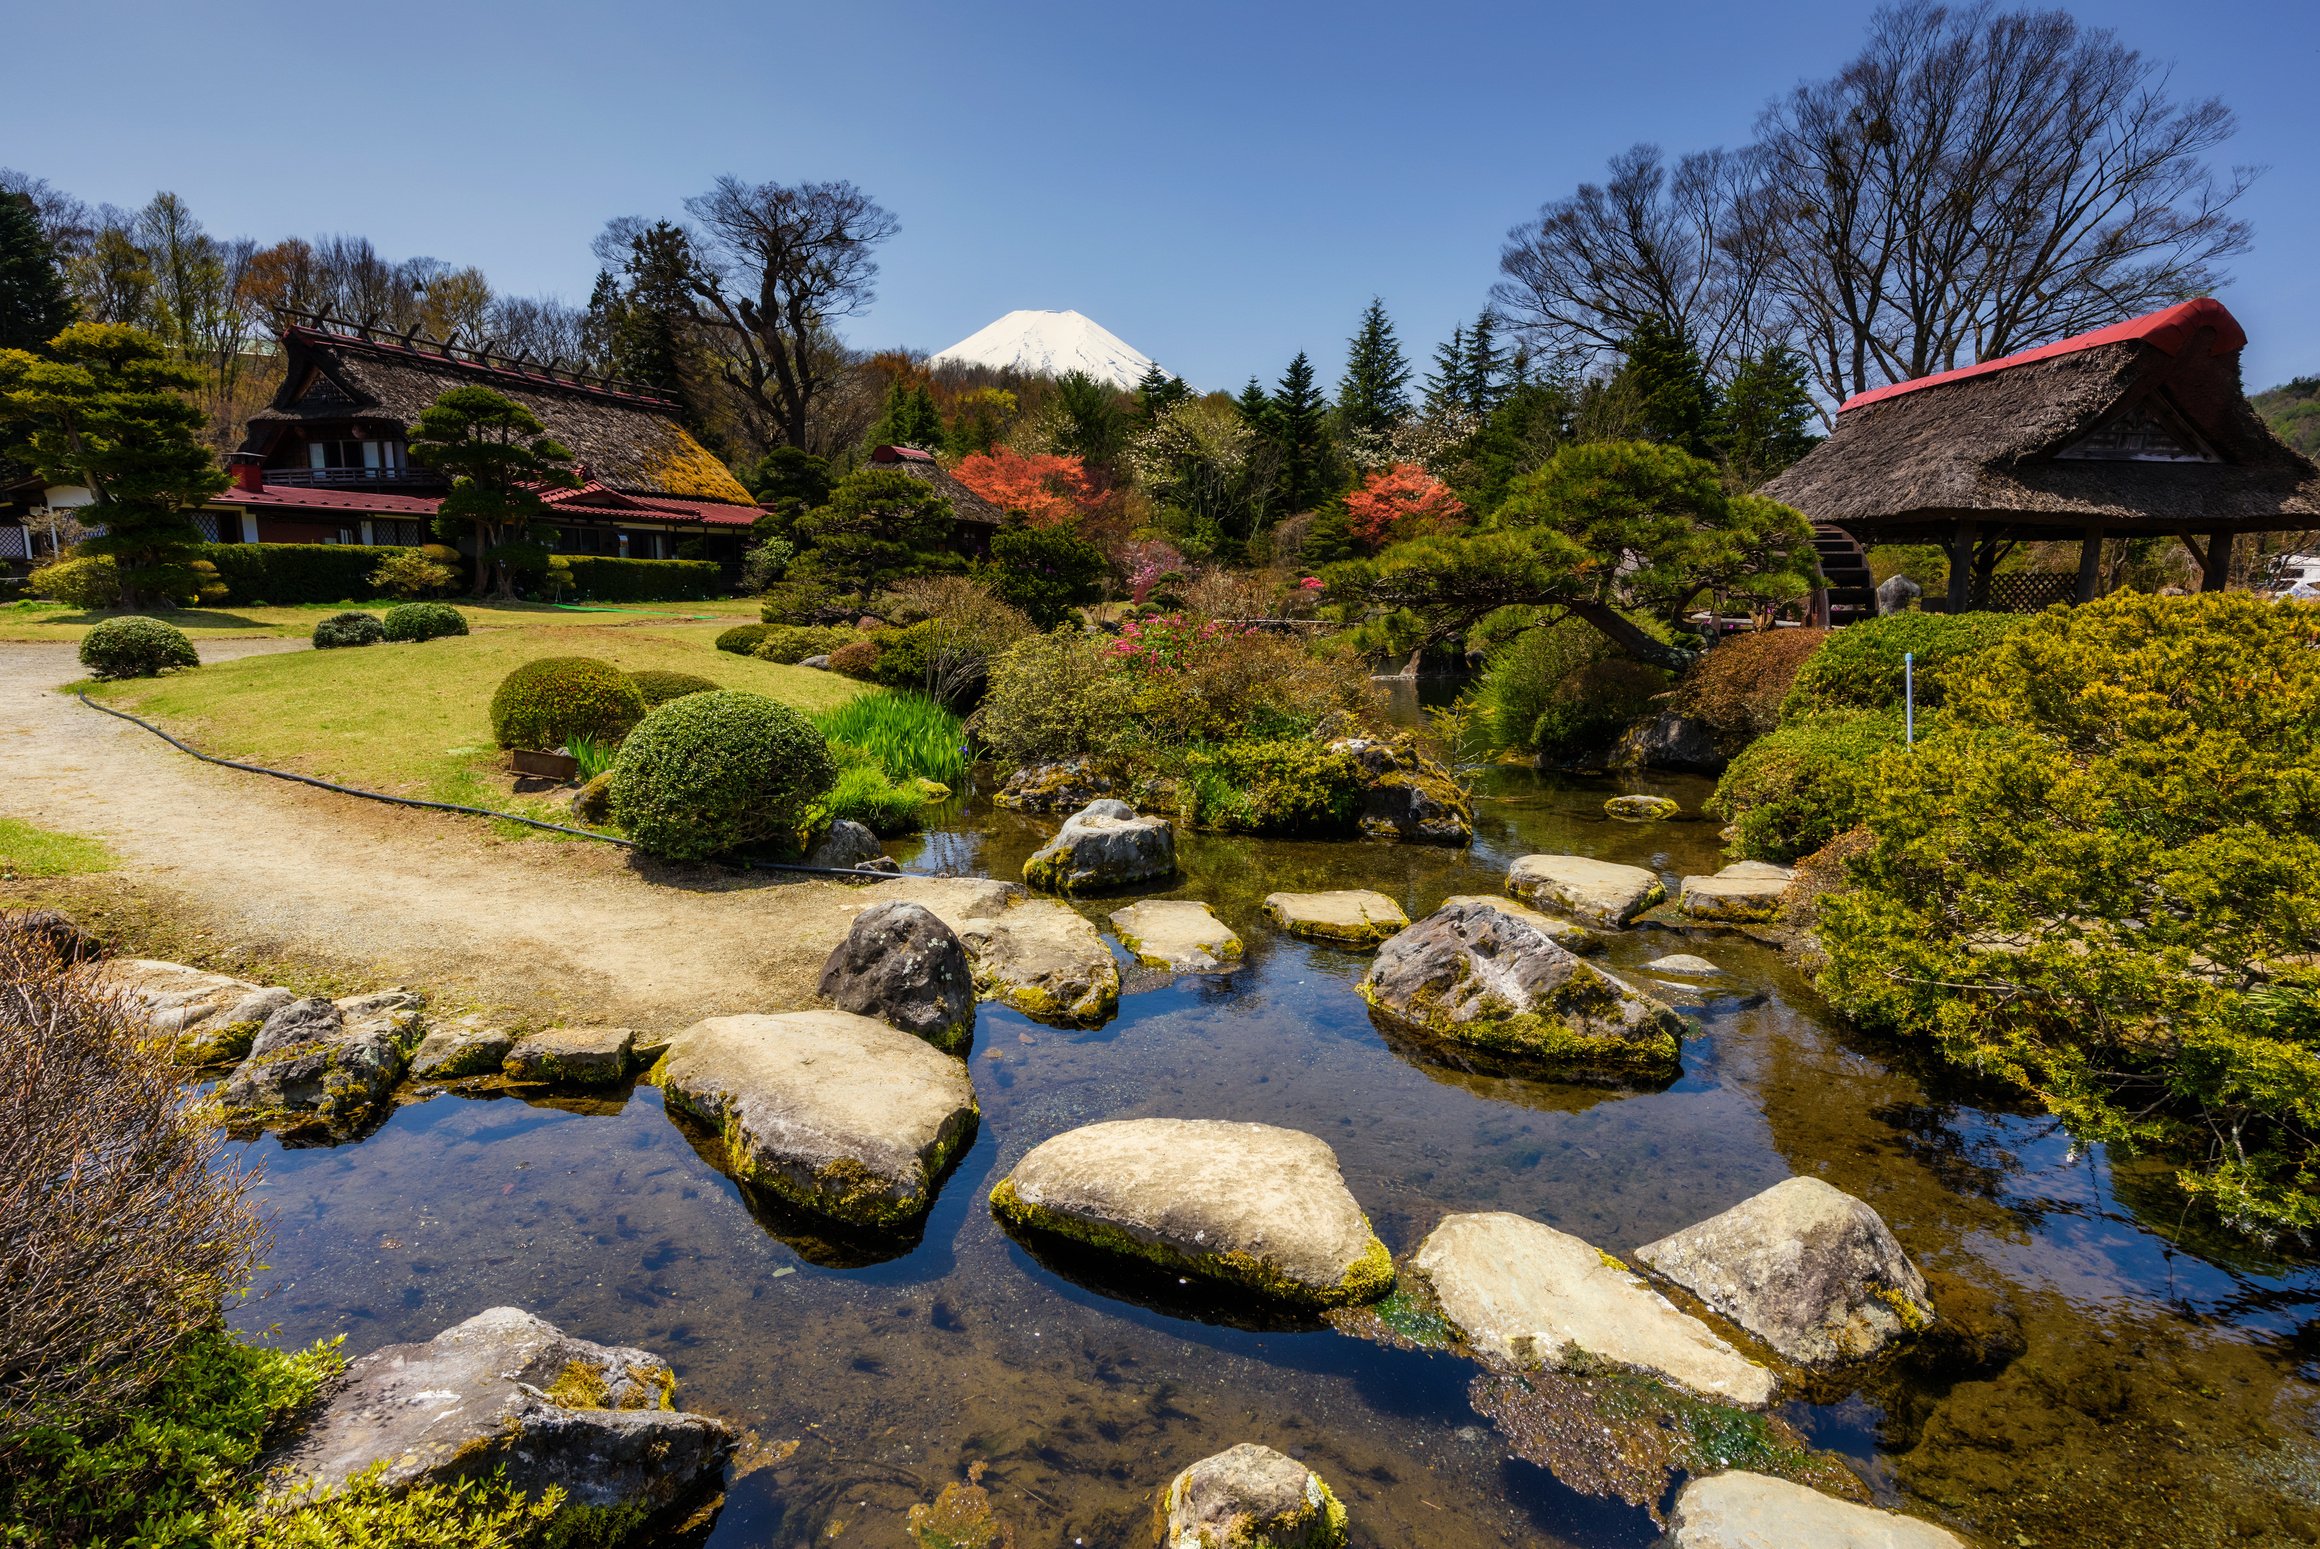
<point>1909,698</point>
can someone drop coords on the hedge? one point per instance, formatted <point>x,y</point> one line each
<point>601,578</point>
<point>287,574</point>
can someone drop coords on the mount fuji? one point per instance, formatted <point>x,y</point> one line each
<point>1050,344</point>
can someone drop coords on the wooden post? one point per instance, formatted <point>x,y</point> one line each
<point>1817,610</point>
<point>2089,563</point>
<point>1961,566</point>
<point>2217,571</point>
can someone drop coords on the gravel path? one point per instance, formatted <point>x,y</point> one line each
<point>550,929</point>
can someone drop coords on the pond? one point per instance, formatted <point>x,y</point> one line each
<point>2134,1384</point>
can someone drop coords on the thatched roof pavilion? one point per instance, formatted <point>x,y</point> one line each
<point>2135,430</point>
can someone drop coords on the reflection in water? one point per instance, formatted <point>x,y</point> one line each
<point>2103,1376</point>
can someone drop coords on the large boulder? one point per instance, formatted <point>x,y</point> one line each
<point>1564,934</point>
<point>1739,1510</point>
<point>1803,1266</point>
<point>1250,1497</point>
<point>66,939</point>
<point>209,1018</point>
<point>1103,845</point>
<point>1670,741</point>
<point>1604,894</point>
<point>455,1051</point>
<point>508,1391</point>
<point>1045,959</point>
<point>1484,978</point>
<point>844,846</point>
<point>1896,593</point>
<point>1745,892</point>
<point>1522,1292</point>
<point>1066,786</point>
<point>321,1069</point>
<point>834,1112</point>
<point>901,964</point>
<point>1406,794</point>
<point>572,1056</point>
<point>1177,934</point>
<point>1249,1207</point>
<point>1348,917</point>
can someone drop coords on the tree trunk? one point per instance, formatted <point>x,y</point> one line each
<point>1623,633</point>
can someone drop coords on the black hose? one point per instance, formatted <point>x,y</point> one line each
<point>452,806</point>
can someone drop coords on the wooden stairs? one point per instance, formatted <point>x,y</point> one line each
<point>1845,566</point>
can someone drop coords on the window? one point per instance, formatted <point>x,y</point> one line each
<point>377,459</point>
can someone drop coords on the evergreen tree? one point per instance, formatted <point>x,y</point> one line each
<point>1485,364</point>
<point>1670,386</point>
<point>106,409</point>
<point>1446,383</point>
<point>1329,538</point>
<point>897,419</point>
<point>879,525</point>
<point>1372,399</point>
<point>1256,406</point>
<point>1764,422</point>
<point>1093,430</point>
<point>498,457</point>
<point>923,427</point>
<point>1299,433</point>
<point>34,305</point>
<point>1157,392</point>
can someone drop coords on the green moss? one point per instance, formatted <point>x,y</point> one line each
<point>1549,1036</point>
<point>580,1385</point>
<point>1271,786</point>
<point>842,1189</point>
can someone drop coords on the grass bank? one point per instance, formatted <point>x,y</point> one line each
<point>30,851</point>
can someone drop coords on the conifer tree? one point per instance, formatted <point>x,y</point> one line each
<point>1371,399</point>
<point>1764,422</point>
<point>34,305</point>
<point>1299,433</point>
<point>1256,406</point>
<point>1157,392</point>
<point>892,427</point>
<point>1485,364</point>
<point>1670,386</point>
<point>1446,383</point>
<point>924,427</point>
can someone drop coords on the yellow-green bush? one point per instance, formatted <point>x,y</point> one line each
<point>658,688</point>
<point>1279,785</point>
<point>1794,790</point>
<point>546,703</point>
<point>90,581</point>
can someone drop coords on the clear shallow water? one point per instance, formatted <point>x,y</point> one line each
<point>2161,1395</point>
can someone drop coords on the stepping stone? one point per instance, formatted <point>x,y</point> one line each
<point>1519,1290</point>
<point>1748,892</point>
<point>1046,960</point>
<point>1482,977</point>
<point>1251,1497</point>
<point>1641,809</point>
<point>1349,917</point>
<point>322,1070</point>
<point>211,1017</point>
<point>1103,845</point>
<point>1178,935</point>
<point>1603,894</point>
<point>834,1112</point>
<point>901,964</point>
<point>572,1056</point>
<point>506,1390</point>
<point>1805,1267</point>
<point>1249,1207</point>
<point>1739,1510</point>
<point>1564,934</point>
<point>452,1051</point>
<point>1683,963</point>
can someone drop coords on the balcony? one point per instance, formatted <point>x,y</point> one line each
<point>351,478</point>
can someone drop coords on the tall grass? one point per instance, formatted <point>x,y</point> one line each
<point>909,735</point>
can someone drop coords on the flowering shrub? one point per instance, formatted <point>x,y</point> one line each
<point>1046,490</point>
<point>1148,563</point>
<point>1168,643</point>
<point>1398,502</point>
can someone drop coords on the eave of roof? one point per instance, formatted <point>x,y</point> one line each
<point>2169,331</point>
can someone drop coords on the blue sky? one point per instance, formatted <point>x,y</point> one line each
<point>1221,185</point>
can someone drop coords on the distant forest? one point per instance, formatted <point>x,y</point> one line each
<point>2293,412</point>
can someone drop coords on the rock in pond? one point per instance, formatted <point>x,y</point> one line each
<point>1348,917</point>
<point>1046,960</point>
<point>1641,809</point>
<point>1103,845</point>
<point>1669,741</point>
<point>1406,794</point>
<point>901,964</point>
<point>454,1051</point>
<point>833,1112</point>
<point>1180,935</point>
<point>1059,787</point>
<point>1683,963</point>
<point>572,1056</point>
<point>1604,894</point>
<point>1564,934</point>
<point>845,846</point>
<point>210,1017</point>
<point>1250,1497</point>
<point>1481,977</point>
<point>323,1069</point>
<point>507,1390</point>
<point>1739,1510</point>
<point>1250,1207</point>
<point>1805,1267</point>
<point>1746,892</point>
<point>1523,1292</point>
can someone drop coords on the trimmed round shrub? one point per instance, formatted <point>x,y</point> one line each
<point>715,772</point>
<point>742,639</point>
<point>659,688</point>
<point>857,659</point>
<point>1860,666</point>
<point>84,581</point>
<point>136,647</point>
<point>1795,789</point>
<point>793,643</point>
<point>424,621</point>
<point>545,704</point>
<point>1738,685</point>
<point>348,629</point>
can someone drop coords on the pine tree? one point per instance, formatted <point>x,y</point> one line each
<point>1371,400</point>
<point>1670,386</point>
<point>1765,420</point>
<point>1256,406</point>
<point>893,425</point>
<point>1298,431</point>
<point>1157,392</point>
<point>1485,364</point>
<point>924,427</point>
<point>34,305</point>
<point>1446,383</point>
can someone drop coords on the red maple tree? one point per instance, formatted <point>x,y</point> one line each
<point>1046,490</point>
<point>1401,501</point>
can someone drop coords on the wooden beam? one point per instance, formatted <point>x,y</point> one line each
<point>2216,572</point>
<point>1961,565</point>
<point>2090,546</point>
<point>2198,552</point>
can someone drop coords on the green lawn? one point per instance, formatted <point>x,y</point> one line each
<point>414,719</point>
<point>31,621</point>
<point>26,851</point>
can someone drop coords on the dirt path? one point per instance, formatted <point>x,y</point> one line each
<point>539,928</point>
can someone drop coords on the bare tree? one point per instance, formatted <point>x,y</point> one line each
<point>1652,241</point>
<point>780,264</point>
<point>541,327</point>
<point>1976,182</point>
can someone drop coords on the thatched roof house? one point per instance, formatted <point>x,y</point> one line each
<point>2134,430</point>
<point>966,505</point>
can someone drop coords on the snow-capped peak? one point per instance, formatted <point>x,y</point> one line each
<point>1050,344</point>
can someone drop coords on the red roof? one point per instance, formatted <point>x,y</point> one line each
<point>899,454</point>
<point>335,501</point>
<point>2170,332</point>
<point>589,500</point>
